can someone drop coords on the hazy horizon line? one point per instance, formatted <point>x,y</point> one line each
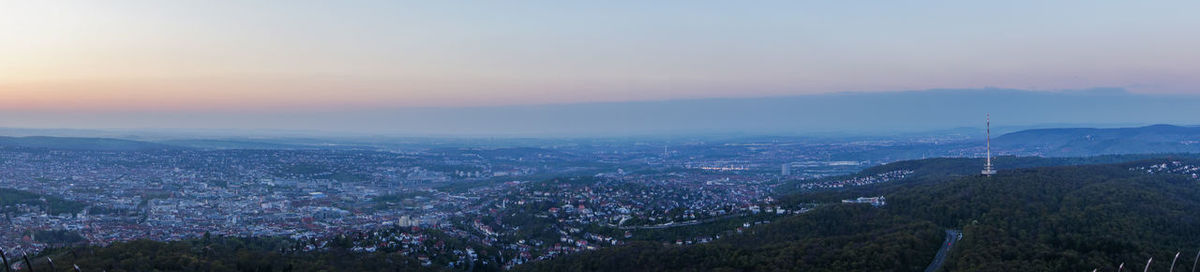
<point>806,114</point>
<point>249,134</point>
<point>1071,91</point>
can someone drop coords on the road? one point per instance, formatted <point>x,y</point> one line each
<point>679,224</point>
<point>952,237</point>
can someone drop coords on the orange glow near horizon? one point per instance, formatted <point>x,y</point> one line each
<point>298,55</point>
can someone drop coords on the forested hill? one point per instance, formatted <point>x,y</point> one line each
<point>1057,218</point>
<point>943,169</point>
<point>1060,218</point>
<point>1074,218</point>
<point>838,238</point>
<point>955,167</point>
<point>11,200</point>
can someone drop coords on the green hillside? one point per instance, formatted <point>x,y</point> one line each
<point>1061,218</point>
<point>11,199</point>
<point>838,238</point>
<point>1074,218</point>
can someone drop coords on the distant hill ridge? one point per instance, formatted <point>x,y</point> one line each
<point>114,144</point>
<point>75,143</point>
<point>1100,141</point>
<point>1054,142</point>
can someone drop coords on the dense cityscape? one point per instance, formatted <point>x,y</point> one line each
<point>524,203</point>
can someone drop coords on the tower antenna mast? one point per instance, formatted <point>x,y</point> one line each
<point>988,170</point>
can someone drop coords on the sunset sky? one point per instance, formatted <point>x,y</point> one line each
<point>267,56</point>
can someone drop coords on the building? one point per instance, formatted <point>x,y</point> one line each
<point>988,170</point>
<point>874,201</point>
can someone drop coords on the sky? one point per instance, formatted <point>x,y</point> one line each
<point>102,60</point>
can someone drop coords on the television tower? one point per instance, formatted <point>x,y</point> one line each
<point>988,170</point>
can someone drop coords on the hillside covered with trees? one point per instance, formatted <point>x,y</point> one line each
<point>837,238</point>
<point>12,200</point>
<point>1054,218</point>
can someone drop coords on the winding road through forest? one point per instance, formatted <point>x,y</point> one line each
<point>952,237</point>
